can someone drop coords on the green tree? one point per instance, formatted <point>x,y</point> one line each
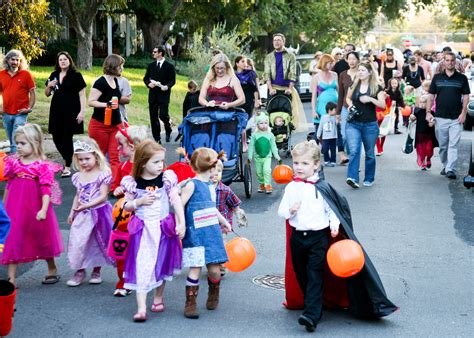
<point>26,25</point>
<point>154,18</point>
<point>81,14</point>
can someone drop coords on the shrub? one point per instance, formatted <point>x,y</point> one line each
<point>52,50</point>
<point>230,43</point>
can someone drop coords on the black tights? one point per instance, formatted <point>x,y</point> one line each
<point>63,142</point>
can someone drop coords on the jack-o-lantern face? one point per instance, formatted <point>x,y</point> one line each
<point>123,215</point>
<point>120,246</point>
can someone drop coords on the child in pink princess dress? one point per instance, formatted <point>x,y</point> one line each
<point>154,251</point>
<point>91,213</point>
<point>34,232</point>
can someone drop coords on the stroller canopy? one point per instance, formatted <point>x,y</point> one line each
<point>213,128</point>
<point>279,103</point>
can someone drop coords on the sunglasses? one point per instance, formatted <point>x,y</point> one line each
<point>155,51</point>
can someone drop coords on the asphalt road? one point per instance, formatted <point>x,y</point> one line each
<point>416,226</point>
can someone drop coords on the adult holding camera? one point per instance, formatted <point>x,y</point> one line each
<point>106,117</point>
<point>68,106</point>
<point>364,95</point>
<point>221,88</point>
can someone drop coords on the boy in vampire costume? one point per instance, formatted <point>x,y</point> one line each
<point>363,294</point>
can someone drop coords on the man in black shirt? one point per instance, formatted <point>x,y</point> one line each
<point>452,96</point>
<point>342,64</point>
<point>160,76</point>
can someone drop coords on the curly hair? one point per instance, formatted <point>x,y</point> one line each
<point>22,64</point>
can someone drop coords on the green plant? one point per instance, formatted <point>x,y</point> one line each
<point>52,50</point>
<point>230,43</point>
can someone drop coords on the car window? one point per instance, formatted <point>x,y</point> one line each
<point>304,65</point>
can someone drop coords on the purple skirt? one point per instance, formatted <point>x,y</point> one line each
<point>167,260</point>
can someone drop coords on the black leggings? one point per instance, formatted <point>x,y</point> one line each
<point>63,142</point>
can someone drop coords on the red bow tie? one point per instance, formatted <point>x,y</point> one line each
<point>296,179</point>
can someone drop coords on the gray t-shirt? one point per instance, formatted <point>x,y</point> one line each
<point>126,90</point>
<point>327,127</point>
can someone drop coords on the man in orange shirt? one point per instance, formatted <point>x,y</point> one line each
<point>17,93</point>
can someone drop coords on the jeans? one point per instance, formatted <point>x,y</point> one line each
<point>448,132</point>
<point>344,114</point>
<point>316,126</point>
<point>11,124</point>
<point>329,150</point>
<point>358,133</point>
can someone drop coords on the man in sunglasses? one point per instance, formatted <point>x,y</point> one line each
<point>160,76</point>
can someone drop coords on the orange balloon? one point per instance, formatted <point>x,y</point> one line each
<point>406,111</point>
<point>2,166</point>
<point>345,258</point>
<point>116,212</point>
<point>282,174</point>
<point>241,254</point>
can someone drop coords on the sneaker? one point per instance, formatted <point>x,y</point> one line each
<point>122,292</point>
<point>380,153</point>
<point>443,172</point>
<point>368,184</point>
<point>332,164</point>
<point>451,175</point>
<point>261,188</point>
<point>268,189</point>
<point>77,279</point>
<point>423,169</point>
<point>95,278</point>
<point>428,164</point>
<point>326,164</point>
<point>352,183</point>
<point>307,323</point>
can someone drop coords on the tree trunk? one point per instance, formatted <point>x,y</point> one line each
<point>84,49</point>
<point>153,33</point>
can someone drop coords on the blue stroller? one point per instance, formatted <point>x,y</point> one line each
<point>220,130</point>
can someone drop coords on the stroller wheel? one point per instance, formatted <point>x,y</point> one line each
<point>248,180</point>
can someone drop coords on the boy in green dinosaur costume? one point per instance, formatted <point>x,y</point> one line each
<point>262,147</point>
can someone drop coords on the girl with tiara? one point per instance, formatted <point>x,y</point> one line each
<point>90,216</point>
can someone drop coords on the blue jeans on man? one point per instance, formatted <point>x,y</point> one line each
<point>358,133</point>
<point>11,124</point>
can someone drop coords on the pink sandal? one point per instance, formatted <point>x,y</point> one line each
<point>158,307</point>
<point>140,317</point>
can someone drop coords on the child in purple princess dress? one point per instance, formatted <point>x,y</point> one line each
<point>34,232</point>
<point>154,251</point>
<point>90,216</point>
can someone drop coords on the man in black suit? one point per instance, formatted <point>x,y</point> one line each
<point>160,76</point>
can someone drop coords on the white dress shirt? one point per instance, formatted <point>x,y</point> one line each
<point>314,213</point>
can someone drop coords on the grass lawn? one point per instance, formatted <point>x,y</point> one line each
<point>137,110</point>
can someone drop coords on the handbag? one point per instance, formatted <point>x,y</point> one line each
<point>386,126</point>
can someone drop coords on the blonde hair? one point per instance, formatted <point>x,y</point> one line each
<point>145,150</point>
<point>373,80</point>
<point>221,57</point>
<point>34,136</point>
<point>204,159</point>
<point>99,157</point>
<point>426,83</point>
<point>409,89</point>
<point>136,133</point>
<point>307,147</point>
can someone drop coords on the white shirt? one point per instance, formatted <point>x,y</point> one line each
<point>160,63</point>
<point>313,214</point>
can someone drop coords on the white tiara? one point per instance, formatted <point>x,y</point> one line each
<point>82,147</point>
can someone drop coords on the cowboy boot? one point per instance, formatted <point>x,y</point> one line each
<point>213,295</point>
<point>190,308</point>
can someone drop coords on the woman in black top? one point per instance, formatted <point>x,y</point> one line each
<point>363,96</point>
<point>413,74</point>
<point>104,88</point>
<point>68,106</point>
<point>389,67</point>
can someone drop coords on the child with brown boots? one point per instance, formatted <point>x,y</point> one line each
<point>202,243</point>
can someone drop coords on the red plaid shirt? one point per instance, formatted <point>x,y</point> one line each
<point>226,201</point>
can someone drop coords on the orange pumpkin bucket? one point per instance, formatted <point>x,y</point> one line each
<point>124,217</point>
<point>241,254</point>
<point>282,174</point>
<point>406,111</point>
<point>2,166</point>
<point>345,258</point>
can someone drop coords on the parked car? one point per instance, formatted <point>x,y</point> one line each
<point>303,77</point>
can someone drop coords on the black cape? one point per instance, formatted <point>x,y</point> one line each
<point>367,297</point>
